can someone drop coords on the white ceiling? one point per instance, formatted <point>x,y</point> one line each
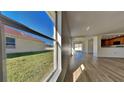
<point>99,22</point>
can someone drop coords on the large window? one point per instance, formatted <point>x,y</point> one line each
<point>34,36</point>
<point>78,47</point>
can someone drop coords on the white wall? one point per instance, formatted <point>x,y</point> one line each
<point>90,46</point>
<point>109,52</point>
<point>95,46</point>
<point>23,45</point>
<point>86,45</point>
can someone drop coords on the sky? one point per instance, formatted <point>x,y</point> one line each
<point>36,20</point>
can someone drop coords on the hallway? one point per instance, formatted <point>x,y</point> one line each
<point>86,68</point>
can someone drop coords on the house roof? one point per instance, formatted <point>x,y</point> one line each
<point>23,35</point>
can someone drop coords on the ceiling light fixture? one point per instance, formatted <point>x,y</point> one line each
<point>88,28</point>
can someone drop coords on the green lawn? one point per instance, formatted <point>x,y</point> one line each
<point>29,67</point>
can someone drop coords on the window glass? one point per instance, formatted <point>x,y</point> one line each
<point>36,20</point>
<point>30,58</point>
<point>78,47</point>
<point>10,42</point>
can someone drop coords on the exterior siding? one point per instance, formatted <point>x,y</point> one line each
<point>25,45</point>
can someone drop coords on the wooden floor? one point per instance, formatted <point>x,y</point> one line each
<point>86,68</point>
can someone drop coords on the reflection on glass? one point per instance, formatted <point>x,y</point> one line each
<point>36,20</point>
<point>29,57</point>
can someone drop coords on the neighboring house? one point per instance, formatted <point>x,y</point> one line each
<point>17,41</point>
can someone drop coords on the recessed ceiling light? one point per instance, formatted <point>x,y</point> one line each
<point>88,28</point>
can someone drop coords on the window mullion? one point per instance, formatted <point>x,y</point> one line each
<point>2,54</point>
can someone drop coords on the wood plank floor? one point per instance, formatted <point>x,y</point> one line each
<point>86,68</point>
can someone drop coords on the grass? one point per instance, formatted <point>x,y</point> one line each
<point>13,55</point>
<point>29,67</point>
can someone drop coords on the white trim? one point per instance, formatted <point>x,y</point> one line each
<point>48,77</point>
<point>52,15</point>
<point>57,71</point>
<point>55,76</point>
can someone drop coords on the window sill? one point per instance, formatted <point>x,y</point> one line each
<point>53,76</point>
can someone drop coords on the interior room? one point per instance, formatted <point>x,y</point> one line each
<point>101,34</point>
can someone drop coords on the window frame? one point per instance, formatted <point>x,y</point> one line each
<point>58,30</point>
<point>57,61</point>
<point>10,43</point>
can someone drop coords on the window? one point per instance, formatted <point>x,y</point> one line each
<point>78,47</point>
<point>10,42</point>
<point>35,56</point>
